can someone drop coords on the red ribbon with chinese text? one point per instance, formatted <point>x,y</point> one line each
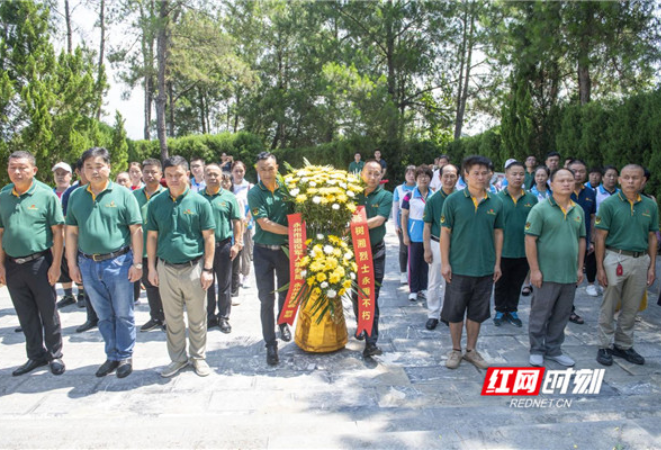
<point>365,276</point>
<point>297,237</point>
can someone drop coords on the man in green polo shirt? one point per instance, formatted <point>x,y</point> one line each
<point>378,204</point>
<point>449,174</point>
<point>555,248</point>
<point>517,203</point>
<point>152,173</point>
<point>471,220</point>
<point>356,166</point>
<point>103,224</point>
<point>180,233</point>
<point>626,226</point>
<point>228,218</point>
<point>269,208</point>
<point>31,242</point>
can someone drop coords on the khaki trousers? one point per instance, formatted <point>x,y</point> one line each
<point>179,288</point>
<point>627,289</point>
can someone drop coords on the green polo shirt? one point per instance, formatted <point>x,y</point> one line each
<point>558,235</point>
<point>433,210</point>
<point>142,198</point>
<point>270,205</point>
<point>27,220</point>
<point>10,186</point>
<point>472,246</point>
<point>628,224</point>
<point>179,224</point>
<point>528,180</point>
<point>515,215</point>
<point>377,203</point>
<point>103,221</point>
<point>225,209</point>
<point>356,167</point>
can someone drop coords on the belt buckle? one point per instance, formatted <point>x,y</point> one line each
<point>20,260</point>
<point>95,256</point>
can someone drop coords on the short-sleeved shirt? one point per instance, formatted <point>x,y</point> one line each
<point>415,202</point>
<point>628,224</point>
<point>377,203</point>
<point>272,206</point>
<point>433,210</point>
<point>225,209</point>
<point>356,167</point>
<point>558,234</point>
<point>143,198</point>
<point>603,194</point>
<point>179,223</point>
<point>27,220</point>
<point>515,215</point>
<point>383,163</point>
<point>528,180</point>
<point>103,220</point>
<point>472,245</point>
<point>587,199</point>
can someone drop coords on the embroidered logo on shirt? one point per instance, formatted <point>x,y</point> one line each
<point>255,211</point>
<point>32,207</point>
<point>528,205</point>
<point>577,219</point>
<point>597,220</point>
<point>188,212</point>
<point>110,205</point>
<point>647,213</point>
<point>527,226</point>
<point>491,212</point>
<point>442,219</point>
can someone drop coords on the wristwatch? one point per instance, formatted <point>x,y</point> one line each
<point>207,270</point>
<point>138,266</point>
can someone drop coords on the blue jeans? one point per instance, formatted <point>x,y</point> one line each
<point>111,294</point>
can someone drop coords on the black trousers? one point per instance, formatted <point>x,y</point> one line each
<point>34,300</point>
<point>418,268</point>
<point>379,261</point>
<point>222,273</point>
<point>269,264</point>
<point>236,273</point>
<point>590,267</point>
<point>153,294</point>
<point>403,253</point>
<point>508,287</point>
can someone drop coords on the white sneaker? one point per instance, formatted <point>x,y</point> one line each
<point>173,368</point>
<point>404,278</point>
<point>536,360</point>
<point>563,360</point>
<point>413,296</point>
<point>201,367</point>
<point>600,289</point>
<point>591,290</point>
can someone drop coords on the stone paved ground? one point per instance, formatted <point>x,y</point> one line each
<point>404,399</point>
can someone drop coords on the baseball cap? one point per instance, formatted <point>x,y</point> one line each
<point>62,165</point>
<point>508,162</point>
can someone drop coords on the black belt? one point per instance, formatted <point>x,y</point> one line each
<point>271,247</point>
<point>223,242</point>
<point>435,239</point>
<point>28,258</point>
<point>98,257</point>
<point>183,265</point>
<point>627,253</point>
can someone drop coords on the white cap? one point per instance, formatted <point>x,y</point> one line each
<point>62,165</point>
<point>508,162</point>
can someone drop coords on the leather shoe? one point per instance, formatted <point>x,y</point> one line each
<point>66,301</point>
<point>285,334</point>
<point>371,350</point>
<point>630,355</point>
<point>272,355</point>
<point>87,326</point>
<point>56,367</point>
<point>107,368</point>
<point>28,367</point>
<point>212,322</point>
<point>124,369</point>
<point>431,324</point>
<point>224,326</point>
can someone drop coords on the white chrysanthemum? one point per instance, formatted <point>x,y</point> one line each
<point>313,184</point>
<point>300,173</point>
<point>295,192</point>
<point>320,236</point>
<point>328,249</point>
<point>331,293</point>
<point>324,285</point>
<point>335,206</point>
<point>304,180</point>
<point>304,273</point>
<point>343,185</point>
<point>352,275</point>
<point>316,199</point>
<point>331,182</point>
<point>348,255</point>
<point>350,194</point>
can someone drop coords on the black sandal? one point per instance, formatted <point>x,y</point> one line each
<point>575,318</point>
<point>526,290</point>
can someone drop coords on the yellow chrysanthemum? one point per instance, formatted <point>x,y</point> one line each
<point>321,276</point>
<point>346,284</point>
<point>301,198</point>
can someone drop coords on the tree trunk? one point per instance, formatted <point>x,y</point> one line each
<point>583,71</point>
<point>171,108</point>
<point>67,19</point>
<point>149,98</point>
<point>161,55</point>
<point>102,52</point>
<point>393,126</point>
<point>463,92</point>
<point>203,119</point>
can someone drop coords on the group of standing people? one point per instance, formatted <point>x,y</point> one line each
<point>462,237</point>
